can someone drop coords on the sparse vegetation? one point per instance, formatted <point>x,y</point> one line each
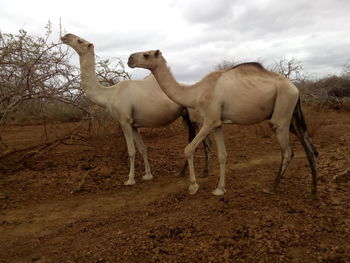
<point>39,85</point>
<point>37,79</point>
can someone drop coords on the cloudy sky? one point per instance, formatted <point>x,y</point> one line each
<point>196,35</point>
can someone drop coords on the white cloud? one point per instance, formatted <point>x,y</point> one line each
<point>196,35</point>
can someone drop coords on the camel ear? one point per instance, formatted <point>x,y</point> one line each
<point>157,53</point>
<point>90,45</point>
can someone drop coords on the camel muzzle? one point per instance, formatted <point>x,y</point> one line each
<point>64,40</point>
<point>131,62</point>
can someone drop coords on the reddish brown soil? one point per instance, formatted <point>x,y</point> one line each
<point>70,205</point>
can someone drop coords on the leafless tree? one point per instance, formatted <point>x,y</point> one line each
<point>31,68</point>
<point>36,71</point>
<point>291,69</point>
<point>111,71</point>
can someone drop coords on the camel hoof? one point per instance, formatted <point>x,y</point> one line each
<point>219,191</point>
<point>269,191</point>
<point>192,189</point>
<point>130,182</point>
<point>147,177</point>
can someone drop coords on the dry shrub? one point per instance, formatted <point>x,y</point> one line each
<point>332,92</point>
<point>32,112</point>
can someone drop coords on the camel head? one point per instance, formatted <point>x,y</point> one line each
<point>147,59</point>
<point>80,45</point>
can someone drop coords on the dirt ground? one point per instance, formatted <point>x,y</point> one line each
<point>69,204</point>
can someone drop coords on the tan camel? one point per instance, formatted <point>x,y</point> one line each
<point>244,94</point>
<point>134,103</point>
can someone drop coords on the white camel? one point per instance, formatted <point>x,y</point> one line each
<point>134,103</point>
<point>244,94</point>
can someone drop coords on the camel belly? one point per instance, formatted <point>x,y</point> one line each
<point>247,106</point>
<point>242,114</point>
<point>153,117</point>
<point>143,103</point>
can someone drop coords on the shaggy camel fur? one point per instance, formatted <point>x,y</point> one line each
<point>245,94</point>
<point>134,103</point>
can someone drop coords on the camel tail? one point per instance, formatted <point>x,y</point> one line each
<point>298,116</point>
<point>192,127</point>
<point>299,128</point>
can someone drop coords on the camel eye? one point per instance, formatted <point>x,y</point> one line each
<point>79,41</point>
<point>145,55</point>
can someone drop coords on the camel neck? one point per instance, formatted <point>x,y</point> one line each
<point>92,87</point>
<point>181,94</point>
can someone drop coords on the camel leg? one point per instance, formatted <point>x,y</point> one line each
<point>206,152</point>
<point>189,153</point>
<point>282,134</point>
<point>222,156</point>
<point>191,128</point>
<point>143,151</point>
<point>184,168</point>
<point>280,121</point>
<point>310,151</point>
<point>127,130</point>
<point>206,147</point>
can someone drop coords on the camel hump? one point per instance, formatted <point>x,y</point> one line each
<point>249,64</point>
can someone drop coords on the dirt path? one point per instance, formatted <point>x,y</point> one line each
<point>42,218</point>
